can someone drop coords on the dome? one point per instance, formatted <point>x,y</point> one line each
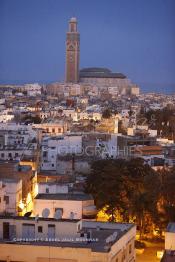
<point>99,72</point>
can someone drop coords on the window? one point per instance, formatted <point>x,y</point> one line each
<point>10,154</point>
<point>53,165</point>
<point>51,231</point>
<point>2,154</point>
<point>53,130</point>
<point>28,230</point>
<point>45,154</point>
<point>130,249</point>
<point>6,199</point>
<point>40,229</point>
<point>47,190</point>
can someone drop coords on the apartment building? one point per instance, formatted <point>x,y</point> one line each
<point>51,147</point>
<point>10,195</point>
<point>62,240</point>
<point>16,141</point>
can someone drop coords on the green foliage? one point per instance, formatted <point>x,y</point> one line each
<point>106,113</point>
<point>32,119</point>
<point>167,178</point>
<point>162,120</point>
<point>133,189</point>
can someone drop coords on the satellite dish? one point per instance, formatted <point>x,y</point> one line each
<point>45,213</point>
<point>115,234</point>
<point>107,240</point>
<point>37,217</point>
<point>58,214</point>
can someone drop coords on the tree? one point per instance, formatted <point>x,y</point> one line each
<point>168,193</point>
<point>105,182</point>
<point>163,120</point>
<point>32,119</point>
<point>127,187</point>
<point>106,113</point>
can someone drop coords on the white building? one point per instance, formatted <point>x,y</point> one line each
<point>60,145</point>
<point>70,113</point>
<point>108,148</point>
<point>33,89</point>
<point>45,239</point>
<point>170,237</point>
<point>169,254</point>
<point>10,195</point>
<point>50,187</point>
<point>16,140</point>
<point>52,127</point>
<point>78,205</point>
<point>113,90</point>
<point>135,90</point>
<point>6,116</point>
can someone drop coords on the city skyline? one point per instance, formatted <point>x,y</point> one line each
<point>137,40</point>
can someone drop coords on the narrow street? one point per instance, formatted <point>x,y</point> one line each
<point>150,252</point>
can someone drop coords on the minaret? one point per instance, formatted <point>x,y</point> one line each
<point>72,52</point>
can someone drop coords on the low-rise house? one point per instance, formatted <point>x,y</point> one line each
<point>47,239</point>
<point>6,116</point>
<point>78,205</point>
<point>10,195</point>
<point>169,254</point>
<point>53,127</point>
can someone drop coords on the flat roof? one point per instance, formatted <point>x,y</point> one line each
<point>68,196</point>
<point>39,219</point>
<point>171,227</point>
<point>100,238</point>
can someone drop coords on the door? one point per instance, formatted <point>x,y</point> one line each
<point>51,231</point>
<point>28,231</point>
<point>6,231</point>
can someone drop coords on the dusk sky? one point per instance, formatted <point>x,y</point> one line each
<point>135,37</point>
